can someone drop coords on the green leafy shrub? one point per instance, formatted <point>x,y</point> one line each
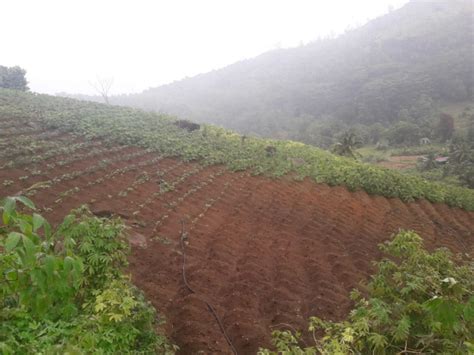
<point>34,278</point>
<point>100,243</point>
<point>63,291</point>
<point>417,303</point>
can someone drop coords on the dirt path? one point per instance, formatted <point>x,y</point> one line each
<point>400,162</point>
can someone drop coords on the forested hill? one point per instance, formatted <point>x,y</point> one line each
<point>398,67</point>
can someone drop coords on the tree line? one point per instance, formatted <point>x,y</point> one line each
<point>13,78</point>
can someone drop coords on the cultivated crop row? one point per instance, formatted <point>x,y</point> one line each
<point>17,131</point>
<point>57,148</point>
<point>213,145</point>
<point>21,146</point>
<point>100,165</point>
<point>33,170</point>
<point>176,202</point>
<point>145,177</point>
<point>210,202</point>
<point>167,186</point>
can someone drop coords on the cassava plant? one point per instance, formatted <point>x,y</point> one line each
<point>32,276</point>
<point>64,291</point>
<point>417,303</point>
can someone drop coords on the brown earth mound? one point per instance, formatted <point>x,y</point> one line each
<point>265,253</point>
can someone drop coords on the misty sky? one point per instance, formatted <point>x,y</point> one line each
<point>65,44</point>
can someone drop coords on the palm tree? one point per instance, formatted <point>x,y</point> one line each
<point>347,145</point>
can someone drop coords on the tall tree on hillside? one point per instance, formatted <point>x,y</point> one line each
<point>461,161</point>
<point>13,78</point>
<point>375,132</point>
<point>103,86</point>
<point>404,133</point>
<point>445,127</point>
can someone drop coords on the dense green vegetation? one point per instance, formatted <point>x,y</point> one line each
<point>64,291</point>
<point>388,79</point>
<point>213,145</point>
<point>417,303</point>
<point>13,78</point>
<point>461,160</point>
<point>459,170</point>
<point>459,150</point>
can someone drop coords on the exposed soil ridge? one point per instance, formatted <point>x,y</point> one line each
<point>265,253</point>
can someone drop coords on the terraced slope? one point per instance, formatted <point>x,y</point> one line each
<point>265,253</point>
<point>211,146</point>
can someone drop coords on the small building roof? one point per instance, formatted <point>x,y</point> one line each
<point>442,159</point>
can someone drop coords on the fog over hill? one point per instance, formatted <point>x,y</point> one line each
<point>399,67</point>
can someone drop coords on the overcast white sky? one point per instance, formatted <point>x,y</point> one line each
<point>65,44</point>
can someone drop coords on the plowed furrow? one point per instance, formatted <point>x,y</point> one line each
<point>270,254</point>
<point>52,171</point>
<point>89,185</point>
<point>266,253</point>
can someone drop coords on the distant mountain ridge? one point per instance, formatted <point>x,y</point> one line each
<point>400,66</point>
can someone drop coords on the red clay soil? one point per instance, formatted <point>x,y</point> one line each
<point>267,254</point>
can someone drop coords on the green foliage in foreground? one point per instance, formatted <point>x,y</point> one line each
<point>417,303</point>
<point>213,145</point>
<point>63,291</point>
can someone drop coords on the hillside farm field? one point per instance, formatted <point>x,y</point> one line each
<point>266,253</point>
<point>400,162</point>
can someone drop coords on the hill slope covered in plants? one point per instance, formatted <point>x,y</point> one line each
<point>401,67</point>
<point>213,145</point>
<point>262,250</point>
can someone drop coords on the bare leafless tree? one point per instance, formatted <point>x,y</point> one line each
<point>102,86</point>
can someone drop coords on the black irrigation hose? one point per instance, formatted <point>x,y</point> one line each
<point>211,309</point>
